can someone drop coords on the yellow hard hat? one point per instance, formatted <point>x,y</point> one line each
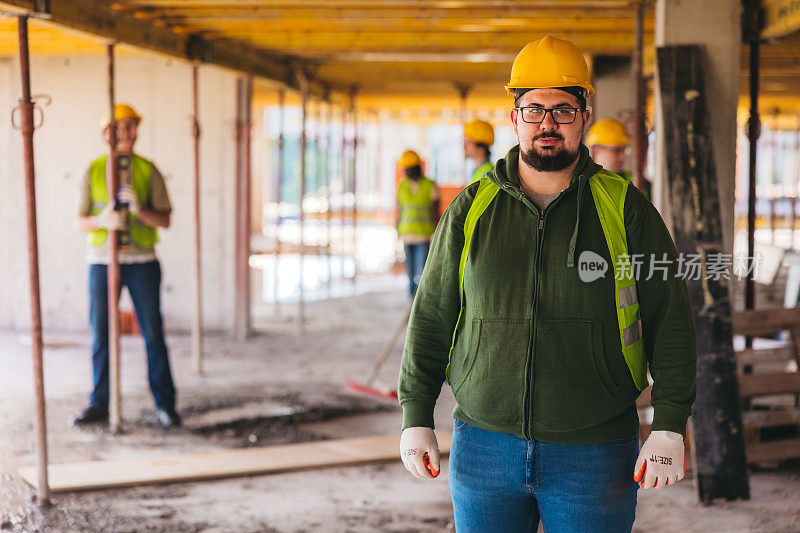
<point>479,131</point>
<point>409,159</point>
<point>607,132</point>
<point>549,63</point>
<point>121,112</point>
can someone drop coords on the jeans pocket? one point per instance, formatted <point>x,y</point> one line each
<point>458,424</point>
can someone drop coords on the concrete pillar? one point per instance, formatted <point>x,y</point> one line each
<point>716,25</point>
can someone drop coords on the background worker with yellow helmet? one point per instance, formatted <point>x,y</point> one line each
<point>141,205</point>
<point>545,349</point>
<point>417,215</point>
<point>609,145</point>
<point>478,140</point>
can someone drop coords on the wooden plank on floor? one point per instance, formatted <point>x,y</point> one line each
<point>771,418</point>
<point>90,475</point>
<point>764,322</point>
<point>766,355</point>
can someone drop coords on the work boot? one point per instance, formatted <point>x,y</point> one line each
<point>168,419</point>
<point>91,415</point>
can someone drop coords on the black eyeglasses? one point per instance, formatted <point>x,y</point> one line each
<point>561,115</point>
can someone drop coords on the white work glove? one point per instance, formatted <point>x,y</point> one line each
<point>110,219</point>
<point>420,452</point>
<point>661,460</point>
<point>128,196</point>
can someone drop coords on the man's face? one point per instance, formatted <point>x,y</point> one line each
<point>127,132</point>
<point>471,150</point>
<point>549,146</point>
<point>610,157</point>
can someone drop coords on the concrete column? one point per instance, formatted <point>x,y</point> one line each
<point>716,25</point>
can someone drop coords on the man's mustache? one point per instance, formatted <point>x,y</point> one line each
<point>548,135</point>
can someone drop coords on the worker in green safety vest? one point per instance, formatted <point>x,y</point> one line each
<point>609,146</point>
<point>534,311</point>
<point>478,140</point>
<point>417,215</point>
<point>141,205</point>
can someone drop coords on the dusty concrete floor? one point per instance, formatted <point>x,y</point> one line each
<point>277,388</point>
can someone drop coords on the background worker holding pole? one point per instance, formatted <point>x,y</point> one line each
<point>478,139</point>
<point>609,146</point>
<point>417,215</point>
<point>141,205</point>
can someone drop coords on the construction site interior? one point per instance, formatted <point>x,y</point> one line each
<point>278,126</point>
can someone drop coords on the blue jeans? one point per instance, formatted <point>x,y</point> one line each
<point>502,483</point>
<point>416,255</point>
<point>144,285</point>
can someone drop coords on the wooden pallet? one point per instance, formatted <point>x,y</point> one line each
<point>91,475</point>
<point>763,382</point>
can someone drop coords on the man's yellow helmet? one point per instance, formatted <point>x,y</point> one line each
<point>607,132</point>
<point>409,159</point>
<point>121,112</point>
<point>480,132</point>
<point>549,63</point>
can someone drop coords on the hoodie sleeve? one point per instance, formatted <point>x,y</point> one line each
<point>433,319</point>
<point>667,320</point>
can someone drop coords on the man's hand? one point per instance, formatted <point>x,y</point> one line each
<point>420,452</point>
<point>110,219</point>
<point>661,460</point>
<point>128,196</point>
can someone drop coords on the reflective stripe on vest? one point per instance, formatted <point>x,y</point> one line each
<point>608,191</point>
<point>481,171</point>
<point>142,235</point>
<point>415,217</point>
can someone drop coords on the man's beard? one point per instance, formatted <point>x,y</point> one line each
<point>553,161</point>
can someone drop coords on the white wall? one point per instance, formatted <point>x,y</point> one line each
<point>160,89</point>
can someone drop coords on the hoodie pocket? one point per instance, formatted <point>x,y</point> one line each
<point>573,387</point>
<point>489,384</point>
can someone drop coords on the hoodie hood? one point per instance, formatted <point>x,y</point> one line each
<point>506,172</point>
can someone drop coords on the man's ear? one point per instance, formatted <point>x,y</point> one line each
<point>587,114</point>
<point>513,116</point>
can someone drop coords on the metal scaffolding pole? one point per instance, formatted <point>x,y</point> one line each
<point>752,28</point>
<point>244,94</point>
<point>303,81</point>
<point>463,92</point>
<point>27,128</point>
<point>278,191</point>
<point>353,171</point>
<point>197,315</point>
<point>328,150</point>
<point>112,182</point>
<point>639,128</point>
<point>343,192</point>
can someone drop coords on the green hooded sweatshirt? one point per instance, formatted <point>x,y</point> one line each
<point>537,351</point>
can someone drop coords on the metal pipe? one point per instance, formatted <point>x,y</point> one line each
<point>639,128</point>
<point>242,209</point>
<point>328,146</point>
<point>353,169</point>
<point>27,128</point>
<point>278,190</point>
<point>112,182</point>
<point>197,316</point>
<point>753,131</point>
<point>301,245</point>
<point>343,189</point>
<point>247,203</point>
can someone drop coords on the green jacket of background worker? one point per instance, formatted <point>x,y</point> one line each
<point>609,146</point>
<point>551,288</point>
<point>478,141</point>
<point>417,215</point>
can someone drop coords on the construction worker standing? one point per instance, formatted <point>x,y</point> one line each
<point>478,139</point>
<point>530,309</point>
<point>417,215</point>
<point>142,204</point>
<point>609,146</point>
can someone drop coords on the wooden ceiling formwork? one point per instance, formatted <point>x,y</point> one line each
<point>394,53</point>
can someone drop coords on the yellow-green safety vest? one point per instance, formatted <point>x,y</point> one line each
<point>608,190</point>
<point>142,235</point>
<point>481,171</point>
<point>415,216</point>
